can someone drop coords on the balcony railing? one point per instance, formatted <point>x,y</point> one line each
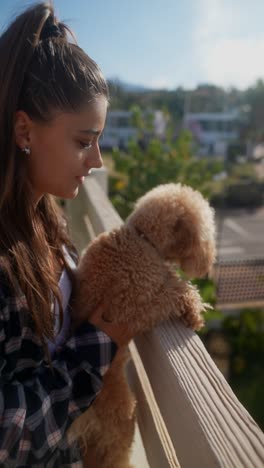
<point>188,415</point>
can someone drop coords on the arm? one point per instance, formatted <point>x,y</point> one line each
<point>38,403</point>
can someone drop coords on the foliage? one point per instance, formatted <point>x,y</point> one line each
<point>240,188</point>
<point>207,289</point>
<point>240,194</point>
<point>242,171</point>
<point>150,162</point>
<point>173,101</point>
<point>205,98</point>
<point>254,98</point>
<point>235,150</point>
<point>245,334</point>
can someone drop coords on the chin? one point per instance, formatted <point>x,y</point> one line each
<point>73,194</point>
<point>67,195</point>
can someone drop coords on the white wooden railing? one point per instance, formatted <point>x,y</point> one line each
<point>188,415</point>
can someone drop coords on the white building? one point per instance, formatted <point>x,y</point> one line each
<point>213,130</point>
<point>258,152</point>
<point>119,130</point>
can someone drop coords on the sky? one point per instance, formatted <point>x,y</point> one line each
<point>166,43</point>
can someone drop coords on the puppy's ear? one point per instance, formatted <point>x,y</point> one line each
<point>197,266</point>
<point>195,255</point>
<point>184,236</point>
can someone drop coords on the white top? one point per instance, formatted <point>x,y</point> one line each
<point>65,286</point>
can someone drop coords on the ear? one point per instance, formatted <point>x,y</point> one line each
<point>184,236</point>
<point>23,125</point>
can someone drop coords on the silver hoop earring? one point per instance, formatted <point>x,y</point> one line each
<point>26,150</point>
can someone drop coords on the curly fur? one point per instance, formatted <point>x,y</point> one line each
<point>132,270</point>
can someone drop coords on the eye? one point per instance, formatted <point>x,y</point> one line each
<point>85,145</point>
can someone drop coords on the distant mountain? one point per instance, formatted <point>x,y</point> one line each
<point>128,86</point>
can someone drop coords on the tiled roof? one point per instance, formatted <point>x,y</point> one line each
<point>239,283</point>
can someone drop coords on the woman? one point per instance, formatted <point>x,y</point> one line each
<point>53,101</point>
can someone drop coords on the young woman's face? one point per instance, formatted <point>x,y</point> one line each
<point>64,150</point>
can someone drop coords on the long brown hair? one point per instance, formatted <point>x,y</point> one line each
<point>41,70</point>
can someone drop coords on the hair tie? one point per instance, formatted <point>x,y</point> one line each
<point>51,30</point>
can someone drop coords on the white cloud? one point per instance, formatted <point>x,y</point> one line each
<point>213,19</point>
<point>234,61</point>
<point>225,51</point>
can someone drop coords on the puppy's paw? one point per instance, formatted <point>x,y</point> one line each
<point>193,309</point>
<point>192,320</point>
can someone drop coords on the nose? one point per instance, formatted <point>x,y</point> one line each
<point>94,157</point>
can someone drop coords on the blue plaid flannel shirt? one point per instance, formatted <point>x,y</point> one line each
<point>38,403</point>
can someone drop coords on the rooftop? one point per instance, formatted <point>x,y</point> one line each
<point>239,272</point>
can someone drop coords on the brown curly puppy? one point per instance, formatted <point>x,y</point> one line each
<point>132,269</point>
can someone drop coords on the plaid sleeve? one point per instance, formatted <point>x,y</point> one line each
<point>37,402</point>
<point>88,354</point>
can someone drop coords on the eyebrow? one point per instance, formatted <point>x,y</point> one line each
<point>91,131</point>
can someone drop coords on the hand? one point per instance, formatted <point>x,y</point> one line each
<point>119,332</point>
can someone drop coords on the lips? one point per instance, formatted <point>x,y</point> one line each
<point>85,175</point>
<point>80,179</point>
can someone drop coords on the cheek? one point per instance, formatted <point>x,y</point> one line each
<point>48,169</point>
<point>54,162</point>
<point>55,159</point>
<point>49,147</point>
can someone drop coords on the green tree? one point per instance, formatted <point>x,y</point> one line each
<point>150,161</point>
<point>254,97</point>
<point>245,334</point>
